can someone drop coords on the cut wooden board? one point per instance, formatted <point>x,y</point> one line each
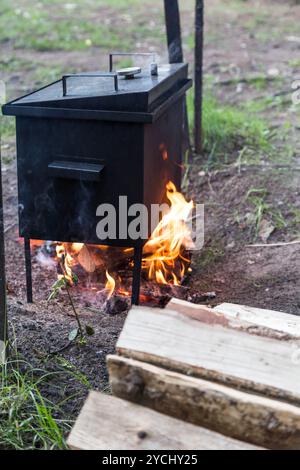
<point>169,339</point>
<point>281,322</point>
<point>109,423</point>
<point>241,415</point>
<point>269,323</point>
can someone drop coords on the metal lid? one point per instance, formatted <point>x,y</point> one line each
<point>97,91</point>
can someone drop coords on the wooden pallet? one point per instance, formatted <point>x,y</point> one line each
<point>233,370</point>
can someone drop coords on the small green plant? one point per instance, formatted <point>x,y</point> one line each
<point>78,333</point>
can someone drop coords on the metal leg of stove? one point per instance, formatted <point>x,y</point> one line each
<point>28,270</point>
<point>137,270</point>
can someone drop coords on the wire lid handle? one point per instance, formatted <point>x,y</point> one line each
<point>76,75</point>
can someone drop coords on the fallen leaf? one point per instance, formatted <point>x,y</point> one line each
<point>73,334</point>
<point>89,330</point>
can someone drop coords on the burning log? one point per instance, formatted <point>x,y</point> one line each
<point>116,305</point>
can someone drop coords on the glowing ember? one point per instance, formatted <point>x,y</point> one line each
<point>164,252</point>
<point>110,285</point>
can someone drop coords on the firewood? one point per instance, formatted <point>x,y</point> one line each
<point>246,361</point>
<point>273,323</point>
<point>85,259</point>
<point>259,420</point>
<point>257,321</point>
<point>116,305</point>
<point>108,423</point>
<point>99,258</point>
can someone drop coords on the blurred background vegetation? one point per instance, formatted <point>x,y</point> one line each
<point>40,40</point>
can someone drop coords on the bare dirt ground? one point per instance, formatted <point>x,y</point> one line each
<point>243,40</point>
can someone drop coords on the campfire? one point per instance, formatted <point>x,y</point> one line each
<point>103,272</point>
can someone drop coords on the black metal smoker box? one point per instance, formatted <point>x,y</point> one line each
<point>89,138</point>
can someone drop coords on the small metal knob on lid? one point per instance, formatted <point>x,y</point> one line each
<point>129,72</point>
<point>154,69</point>
<point>132,71</point>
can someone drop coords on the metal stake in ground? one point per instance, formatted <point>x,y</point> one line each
<point>3,306</point>
<point>137,270</point>
<point>198,75</point>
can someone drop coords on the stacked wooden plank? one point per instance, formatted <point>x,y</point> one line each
<point>109,423</point>
<point>231,373</point>
<point>233,370</point>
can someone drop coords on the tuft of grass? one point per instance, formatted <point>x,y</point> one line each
<point>294,63</point>
<point>210,255</point>
<point>29,420</point>
<point>257,198</point>
<point>226,129</point>
<point>262,208</point>
<point>265,103</point>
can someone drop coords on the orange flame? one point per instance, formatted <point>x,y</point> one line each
<point>163,254</point>
<point>164,250</point>
<point>65,254</point>
<point>110,285</point>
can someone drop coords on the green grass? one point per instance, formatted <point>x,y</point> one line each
<point>261,207</point>
<point>53,25</point>
<point>7,127</point>
<point>257,199</point>
<point>15,63</point>
<point>40,33</point>
<point>43,74</point>
<point>226,128</point>
<point>29,420</point>
<point>294,63</point>
<point>265,103</point>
